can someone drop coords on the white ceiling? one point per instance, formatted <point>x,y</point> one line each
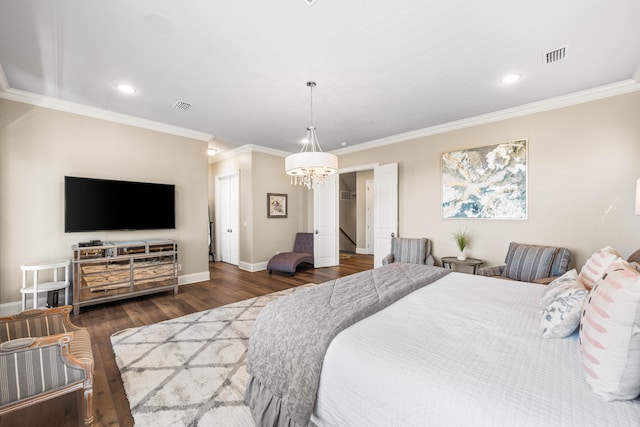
<point>382,67</point>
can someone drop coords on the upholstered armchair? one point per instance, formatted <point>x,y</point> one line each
<point>42,356</point>
<point>531,263</point>
<point>288,261</point>
<point>411,250</point>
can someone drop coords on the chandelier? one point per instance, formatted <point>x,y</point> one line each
<point>310,166</point>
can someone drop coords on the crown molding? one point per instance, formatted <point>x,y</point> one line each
<point>620,88</point>
<point>25,97</point>
<point>248,148</point>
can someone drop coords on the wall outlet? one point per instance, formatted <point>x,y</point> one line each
<point>277,252</point>
<point>179,267</point>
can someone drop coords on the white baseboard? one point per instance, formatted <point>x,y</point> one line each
<point>203,276</point>
<point>252,268</point>
<point>363,251</point>
<point>9,308</point>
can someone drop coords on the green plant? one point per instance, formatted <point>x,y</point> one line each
<point>462,239</point>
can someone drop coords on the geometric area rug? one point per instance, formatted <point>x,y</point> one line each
<point>190,371</point>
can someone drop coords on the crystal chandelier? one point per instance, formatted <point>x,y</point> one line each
<point>311,166</point>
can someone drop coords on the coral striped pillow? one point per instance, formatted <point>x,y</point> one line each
<point>596,265</point>
<point>609,335</point>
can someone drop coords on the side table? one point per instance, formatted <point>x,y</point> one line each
<point>36,288</point>
<point>450,261</point>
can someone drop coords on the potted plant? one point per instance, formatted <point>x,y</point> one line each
<point>462,239</point>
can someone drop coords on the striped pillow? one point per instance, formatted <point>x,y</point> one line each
<point>528,262</point>
<point>411,250</point>
<point>609,334</point>
<point>596,265</point>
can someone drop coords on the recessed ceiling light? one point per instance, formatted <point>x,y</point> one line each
<point>125,88</point>
<point>211,151</point>
<point>510,78</point>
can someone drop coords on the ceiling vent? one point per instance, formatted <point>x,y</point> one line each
<point>555,55</point>
<point>181,105</point>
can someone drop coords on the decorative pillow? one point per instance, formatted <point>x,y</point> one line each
<point>556,287</point>
<point>528,263</point>
<point>412,250</point>
<point>609,335</point>
<point>596,265</point>
<point>561,306</point>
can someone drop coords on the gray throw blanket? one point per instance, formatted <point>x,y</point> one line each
<point>291,336</point>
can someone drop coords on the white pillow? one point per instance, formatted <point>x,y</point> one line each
<point>609,334</point>
<point>561,306</point>
<point>596,265</point>
<point>555,287</point>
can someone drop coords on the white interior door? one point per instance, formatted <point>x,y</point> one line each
<point>385,215</point>
<point>369,216</point>
<point>228,218</point>
<point>325,223</point>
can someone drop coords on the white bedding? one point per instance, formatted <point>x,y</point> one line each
<point>463,351</point>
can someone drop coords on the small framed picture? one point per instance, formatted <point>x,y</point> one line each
<point>276,205</point>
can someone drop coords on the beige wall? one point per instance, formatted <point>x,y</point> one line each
<point>274,234</point>
<point>39,146</point>
<point>261,173</point>
<point>583,164</point>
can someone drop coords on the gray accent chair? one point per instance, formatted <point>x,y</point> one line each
<point>411,250</point>
<point>531,263</point>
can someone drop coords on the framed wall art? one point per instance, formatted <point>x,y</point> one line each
<point>276,205</point>
<point>486,182</point>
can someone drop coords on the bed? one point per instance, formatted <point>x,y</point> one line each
<point>463,350</point>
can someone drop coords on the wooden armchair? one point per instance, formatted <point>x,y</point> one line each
<point>43,356</point>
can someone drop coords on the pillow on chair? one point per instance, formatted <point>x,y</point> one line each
<point>411,250</point>
<point>528,262</point>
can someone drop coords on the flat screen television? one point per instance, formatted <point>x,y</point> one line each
<point>92,204</point>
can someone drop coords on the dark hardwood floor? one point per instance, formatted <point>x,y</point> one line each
<point>228,284</point>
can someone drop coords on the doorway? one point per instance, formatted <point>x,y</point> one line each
<point>356,213</point>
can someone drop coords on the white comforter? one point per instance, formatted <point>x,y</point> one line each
<point>464,351</point>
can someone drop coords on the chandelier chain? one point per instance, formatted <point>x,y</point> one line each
<point>311,86</point>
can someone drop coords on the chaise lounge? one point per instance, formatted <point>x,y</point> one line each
<point>288,262</point>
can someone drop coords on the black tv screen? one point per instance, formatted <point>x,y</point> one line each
<point>100,204</point>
